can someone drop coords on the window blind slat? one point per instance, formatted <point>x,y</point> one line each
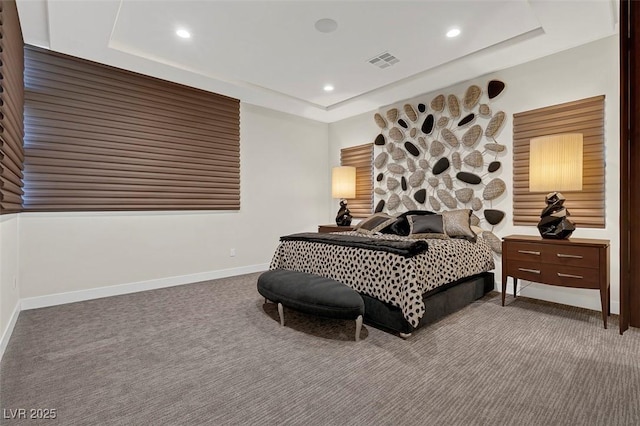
<point>141,186</point>
<point>61,151</point>
<point>120,203</point>
<point>109,206</point>
<point>97,163</point>
<point>100,138</point>
<point>119,135</point>
<point>140,192</point>
<point>135,151</point>
<point>79,174</point>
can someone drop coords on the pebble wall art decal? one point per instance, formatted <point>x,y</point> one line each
<point>443,154</point>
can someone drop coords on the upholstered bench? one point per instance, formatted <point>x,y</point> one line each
<point>311,294</point>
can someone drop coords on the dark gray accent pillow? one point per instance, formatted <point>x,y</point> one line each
<point>401,225</point>
<point>374,223</point>
<point>431,226</point>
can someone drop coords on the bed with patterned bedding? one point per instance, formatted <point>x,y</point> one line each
<point>394,279</point>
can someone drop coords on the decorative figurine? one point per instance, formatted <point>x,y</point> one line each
<point>343,218</point>
<point>553,219</point>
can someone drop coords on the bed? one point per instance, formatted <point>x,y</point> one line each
<point>401,293</point>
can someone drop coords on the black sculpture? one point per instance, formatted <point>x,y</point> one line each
<point>553,219</point>
<point>343,218</point>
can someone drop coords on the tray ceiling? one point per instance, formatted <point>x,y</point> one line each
<point>269,53</point>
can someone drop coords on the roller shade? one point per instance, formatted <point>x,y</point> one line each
<point>101,138</point>
<point>11,109</point>
<point>360,157</point>
<point>586,116</point>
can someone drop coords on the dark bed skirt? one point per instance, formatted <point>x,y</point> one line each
<point>438,303</point>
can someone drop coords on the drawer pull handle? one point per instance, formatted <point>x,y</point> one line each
<point>579,277</point>
<point>570,256</point>
<point>533,271</point>
<point>536,253</point>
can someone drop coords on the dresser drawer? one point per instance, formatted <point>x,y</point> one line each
<point>530,271</point>
<point>527,252</point>
<point>583,257</point>
<point>570,276</point>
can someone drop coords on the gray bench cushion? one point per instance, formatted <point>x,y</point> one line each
<point>311,294</point>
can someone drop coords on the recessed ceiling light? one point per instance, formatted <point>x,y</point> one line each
<point>326,25</point>
<point>328,88</point>
<point>453,32</point>
<point>182,33</point>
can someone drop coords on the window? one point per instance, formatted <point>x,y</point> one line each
<point>585,116</point>
<point>101,138</point>
<point>360,157</point>
<point>11,109</point>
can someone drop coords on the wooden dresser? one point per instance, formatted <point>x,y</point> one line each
<point>576,262</point>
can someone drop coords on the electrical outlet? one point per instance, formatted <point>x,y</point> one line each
<point>232,252</point>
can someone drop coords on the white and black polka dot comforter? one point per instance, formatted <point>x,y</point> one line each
<point>389,277</point>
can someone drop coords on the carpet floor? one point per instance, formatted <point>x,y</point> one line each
<point>213,353</point>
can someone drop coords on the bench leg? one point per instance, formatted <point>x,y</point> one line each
<point>358,327</point>
<point>281,313</point>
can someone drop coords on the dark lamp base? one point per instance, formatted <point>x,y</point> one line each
<point>343,218</point>
<point>554,223</point>
<point>345,222</point>
<point>556,231</point>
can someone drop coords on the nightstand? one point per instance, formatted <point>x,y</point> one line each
<point>576,262</point>
<point>325,229</point>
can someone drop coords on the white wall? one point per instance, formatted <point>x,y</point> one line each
<point>582,72</point>
<point>9,294</point>
<point>284,187</point>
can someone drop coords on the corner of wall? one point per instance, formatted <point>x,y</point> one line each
<point>8,330</point>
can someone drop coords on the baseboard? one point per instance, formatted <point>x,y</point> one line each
<point>116,290</point>
<point>8,331</point>
<point>588,299</point>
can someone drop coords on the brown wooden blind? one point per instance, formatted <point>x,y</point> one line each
<point>101,138</point>
<point>360,157</point>
<point>586,116</point>
<point>11,108</point>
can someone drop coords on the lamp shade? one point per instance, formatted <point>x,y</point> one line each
<point>555,163</point>
<point>343,182</point>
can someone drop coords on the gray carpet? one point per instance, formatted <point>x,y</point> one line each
<point>212,353</point>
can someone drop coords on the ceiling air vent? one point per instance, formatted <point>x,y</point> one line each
<point>384,60</point>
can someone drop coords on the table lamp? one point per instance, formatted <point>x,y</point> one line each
<point>343,186</point>
<point>555,164</point>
